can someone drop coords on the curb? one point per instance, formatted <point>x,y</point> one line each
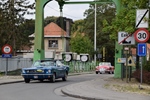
<point>64,91</point>
<point>22,80</point>
<point>11,82</point>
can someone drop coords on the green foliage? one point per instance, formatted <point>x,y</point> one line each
<point>125,19</point>
<point>146,66</point>
<point>50,19</point>
<point>12,16</point>
<point>81,44</point>
<point>26,28</point>
<point>78,26</point>
<point>14,72</point>
<point>105,13</point>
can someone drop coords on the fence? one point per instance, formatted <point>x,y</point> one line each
<point>10,64</point>
<point>14,63</point>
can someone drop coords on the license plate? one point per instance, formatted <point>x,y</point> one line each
<point>35,76</point>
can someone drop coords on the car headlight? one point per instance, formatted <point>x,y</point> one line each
<point>49,71</point>
<point>23,71</point>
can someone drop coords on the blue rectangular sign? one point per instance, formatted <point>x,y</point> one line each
<point>6,55</point>
<point>142,49</point>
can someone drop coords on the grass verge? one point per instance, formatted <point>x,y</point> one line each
<point>131,87</point>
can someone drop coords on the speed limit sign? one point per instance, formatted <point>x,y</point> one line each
<point>141,35</point>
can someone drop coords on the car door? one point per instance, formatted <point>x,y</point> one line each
<point>60,69</point>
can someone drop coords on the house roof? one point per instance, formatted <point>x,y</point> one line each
<point>52,30</point>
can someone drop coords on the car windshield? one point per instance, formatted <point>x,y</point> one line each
<point>43,63</point>
<point>59,63</point>
<point>105,63</point>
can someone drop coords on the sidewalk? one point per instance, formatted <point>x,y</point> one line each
<point>10,79</point>
<point>89,90</point>
<point>94,90</point>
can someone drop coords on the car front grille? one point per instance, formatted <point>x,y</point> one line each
<point>34,71</point>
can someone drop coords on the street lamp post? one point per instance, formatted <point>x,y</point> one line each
<point>95,35</point>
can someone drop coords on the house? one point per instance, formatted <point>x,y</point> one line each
<point>56,41</point>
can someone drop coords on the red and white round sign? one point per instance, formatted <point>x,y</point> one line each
<point>7,49</point>
<point>141,35</point>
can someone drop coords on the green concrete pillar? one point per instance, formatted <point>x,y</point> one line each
<point>118,48</point>
<point>39,52</point>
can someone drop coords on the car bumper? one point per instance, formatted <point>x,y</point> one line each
<point>36,76</point>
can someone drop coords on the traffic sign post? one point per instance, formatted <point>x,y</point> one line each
<point>6,50</point>
<point>142,50</point>
<point>141,35</point>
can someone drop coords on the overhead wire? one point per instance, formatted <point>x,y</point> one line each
<point>63,13</point>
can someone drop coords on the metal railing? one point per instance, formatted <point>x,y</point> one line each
<point>14,63</point>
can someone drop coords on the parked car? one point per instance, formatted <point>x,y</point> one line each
<point>45,69</point>
<point>104,67</point>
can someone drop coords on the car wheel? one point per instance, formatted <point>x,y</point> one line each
<point>100,72</point>
<point>52,79</point>
<point>27,80</point>
<point>65,77</point>
<point>110,72</point>
<point>96,72</point>
<point>113,72</point>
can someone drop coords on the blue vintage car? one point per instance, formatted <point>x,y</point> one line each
<point>45,69</point>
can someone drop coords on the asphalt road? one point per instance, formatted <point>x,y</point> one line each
<point>46,90</point>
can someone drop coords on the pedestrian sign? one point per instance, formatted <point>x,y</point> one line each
<point>142,49</point>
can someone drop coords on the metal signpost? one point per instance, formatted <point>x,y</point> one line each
<point>142,34</point>
<point>142,49</point>
<point>6,50</point>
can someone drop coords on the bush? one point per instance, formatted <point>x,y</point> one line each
<point>145,76</point>
<point>14,72</point>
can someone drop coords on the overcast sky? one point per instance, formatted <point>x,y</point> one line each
<point>73,11</point>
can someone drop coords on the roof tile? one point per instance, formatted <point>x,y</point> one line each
<point>53,29</point>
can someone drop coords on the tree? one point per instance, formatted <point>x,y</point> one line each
<point>105,12</point>
<point>81,44</point>
<point>26,28</point>
<point>13,12</point>
<point>125,20</point>
<point>50,19</point>
<point>78,26</point>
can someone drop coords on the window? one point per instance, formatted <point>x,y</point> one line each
<point>53,43</point>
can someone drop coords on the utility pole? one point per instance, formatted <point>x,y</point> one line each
<point>95,35</point>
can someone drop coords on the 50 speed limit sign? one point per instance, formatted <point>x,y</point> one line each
<point>141,35</point>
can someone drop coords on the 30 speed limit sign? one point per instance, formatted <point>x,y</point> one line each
<point>141,35</point>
